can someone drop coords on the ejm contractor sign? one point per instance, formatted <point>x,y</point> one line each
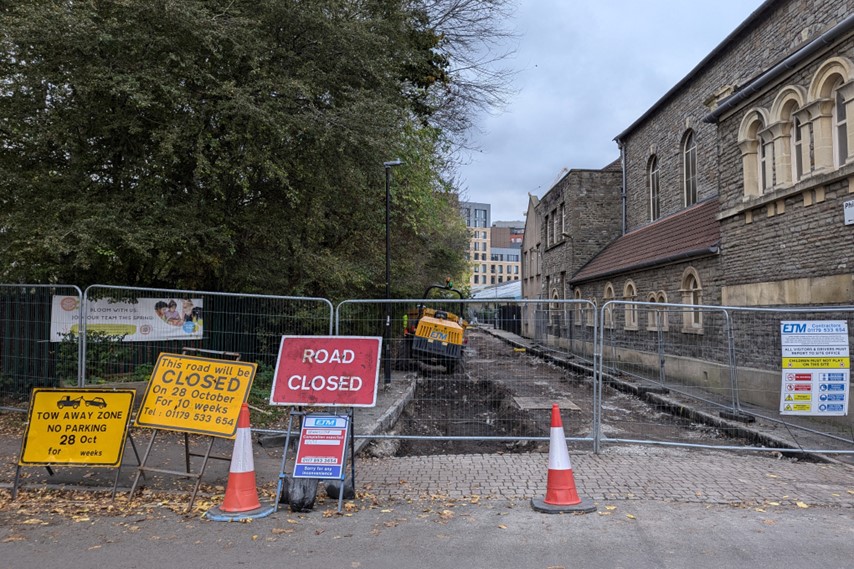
<point>333,371</point>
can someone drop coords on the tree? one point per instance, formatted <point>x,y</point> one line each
<point>221,145</point>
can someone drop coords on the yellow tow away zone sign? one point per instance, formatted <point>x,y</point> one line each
<point>196,395</point>
<point>77,427</point>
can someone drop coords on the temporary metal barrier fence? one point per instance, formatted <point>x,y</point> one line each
<point>499,388</point>
<point>29,356</point>
<point>172,320</point>
<point>714,371</point>
<point>654,373</point>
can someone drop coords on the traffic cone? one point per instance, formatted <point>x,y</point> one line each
<point>241,495</point>
<point>561,495</point>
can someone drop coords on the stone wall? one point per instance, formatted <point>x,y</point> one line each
<point>591,202</point>
<point>777,33</point>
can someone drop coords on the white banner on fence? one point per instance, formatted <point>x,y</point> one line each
<point>816,367</point>
<point>145,320</point>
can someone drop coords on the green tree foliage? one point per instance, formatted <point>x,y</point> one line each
<point>229,145</point>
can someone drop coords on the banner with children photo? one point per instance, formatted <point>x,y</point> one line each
<point>146,319</point>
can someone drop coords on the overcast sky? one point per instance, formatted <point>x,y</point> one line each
<point>587,69</point>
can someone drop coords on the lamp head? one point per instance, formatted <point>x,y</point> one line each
<point>396,162</point>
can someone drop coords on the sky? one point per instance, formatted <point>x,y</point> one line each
<point>585,71</point>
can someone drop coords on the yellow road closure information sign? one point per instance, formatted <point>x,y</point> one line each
<point>196,395</point>
<point>77,427</point>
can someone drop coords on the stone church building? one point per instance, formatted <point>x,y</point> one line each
<point>735,189</point>
<point>730,190</point>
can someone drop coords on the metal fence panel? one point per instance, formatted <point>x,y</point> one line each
<point>28,356</point>
<point>715,372</point>
<point>760,385</point>
<point>627,372</point>
<point>656,355</point>
<point>502,386</point>
<point>209,322</point>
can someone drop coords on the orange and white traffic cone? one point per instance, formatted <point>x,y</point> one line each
<point>561,495</point>
<point>241,495</point>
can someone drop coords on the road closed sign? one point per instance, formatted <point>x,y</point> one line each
<point>196,395</point>
<point>333,371</point>
<point>84,427</point>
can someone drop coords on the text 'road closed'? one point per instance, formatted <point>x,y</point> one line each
<point>327,370</point>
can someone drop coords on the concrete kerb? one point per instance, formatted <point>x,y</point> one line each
<point>657,396</point>
<point>370,421</point>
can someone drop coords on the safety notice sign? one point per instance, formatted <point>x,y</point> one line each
<point>816,368</point>
<point>77,427</point>
<point>322,447</point>
<point>196,395</point>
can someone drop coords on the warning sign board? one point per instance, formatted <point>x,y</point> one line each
<point>196,395</point>
<point>816,367</point>
<point>77,427</point>
<point>322,445</point>
<point>327,371</point>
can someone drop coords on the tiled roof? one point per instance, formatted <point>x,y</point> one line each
<point>690,233</point>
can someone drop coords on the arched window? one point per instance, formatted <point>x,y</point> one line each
<point>630,295</point>
<point>753,152</point>
<point>787,134</point>
<point>608,295</point>
<point>831,96</point>
<point>657,318</point>
<point>578,310</point>
<point>652,187</point>
<point>692,295</point>
<point>797,149</point>
<point>840,126</point>
<point>591,312</point>
<point>554,309</point>
<point>689,168</point>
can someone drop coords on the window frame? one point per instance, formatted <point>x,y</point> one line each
<point>654,188</point>
<point>689,169</point>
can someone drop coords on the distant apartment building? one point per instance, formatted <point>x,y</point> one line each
<point>494,250</point>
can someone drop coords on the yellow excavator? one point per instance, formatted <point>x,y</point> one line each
<point>434,335</point>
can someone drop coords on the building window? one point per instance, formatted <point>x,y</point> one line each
<point>692,295</point>
<point>797,150</point>
<point>766,162</point>
<point>548,231</point>
<point>607,296</point>
<point>828,92</point>
<point>480,218</point>
<point>657,317</point>
<point>652,183</point>
<point>630,295</point>
<point>750,143</point>
<point>689,168</point>
<point>578,309</point>
<point>840,127</point>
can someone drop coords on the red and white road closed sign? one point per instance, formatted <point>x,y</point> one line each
<point>333,371</point>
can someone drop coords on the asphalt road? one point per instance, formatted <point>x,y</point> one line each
<point>444,535</point>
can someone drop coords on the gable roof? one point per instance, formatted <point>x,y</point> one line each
<point>690,233</point>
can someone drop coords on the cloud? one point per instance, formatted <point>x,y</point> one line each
<point>586,71</point>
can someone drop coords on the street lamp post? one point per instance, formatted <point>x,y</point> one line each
<point>386,355</point>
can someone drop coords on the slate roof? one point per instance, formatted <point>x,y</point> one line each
<point>688,234</point>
